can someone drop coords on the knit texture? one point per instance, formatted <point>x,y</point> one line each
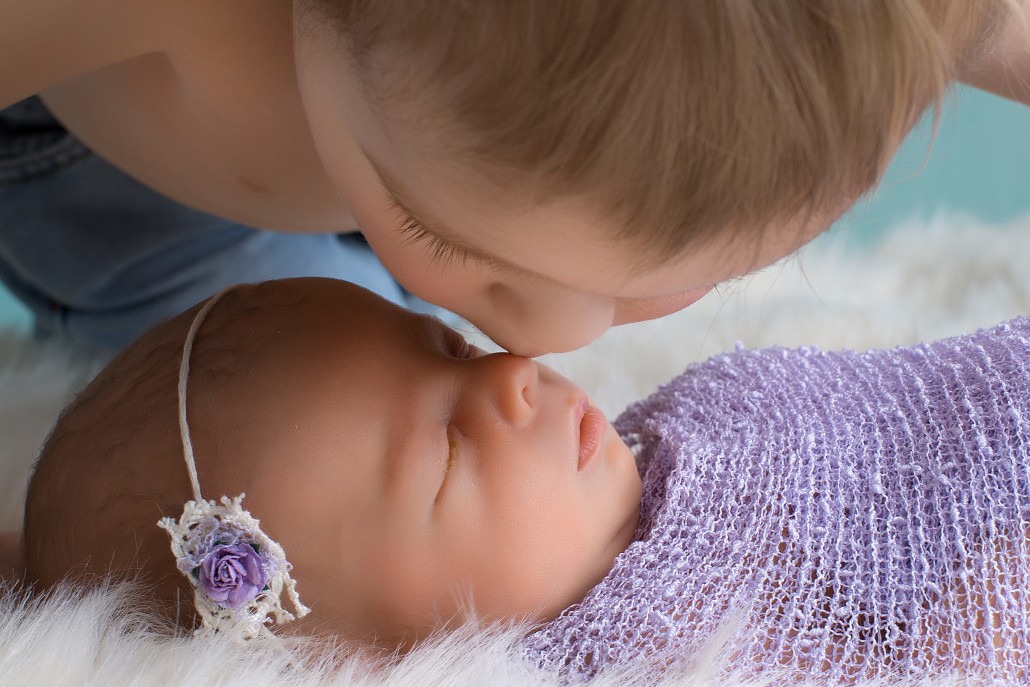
<point>858,515</point>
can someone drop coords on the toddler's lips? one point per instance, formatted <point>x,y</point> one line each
<point>591,430</point>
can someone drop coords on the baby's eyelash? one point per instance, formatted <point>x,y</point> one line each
<point>452,449</point>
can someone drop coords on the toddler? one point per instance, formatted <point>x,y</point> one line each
<point>544,168</point>
<point>863,514</point>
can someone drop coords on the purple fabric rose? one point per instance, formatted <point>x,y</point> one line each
<point>232,575</point>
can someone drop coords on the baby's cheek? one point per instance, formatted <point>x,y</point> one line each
<point>529,574</point>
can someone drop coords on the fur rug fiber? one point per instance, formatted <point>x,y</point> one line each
<point>943,277</point>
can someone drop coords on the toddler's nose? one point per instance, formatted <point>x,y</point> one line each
<point>511,381</point>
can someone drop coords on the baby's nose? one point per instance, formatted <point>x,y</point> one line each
<point>511,382</point>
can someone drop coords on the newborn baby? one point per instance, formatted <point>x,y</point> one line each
<point>859,515</point>
<point>410,479</point>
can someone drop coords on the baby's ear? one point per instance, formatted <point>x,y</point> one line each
<point>12,560</point>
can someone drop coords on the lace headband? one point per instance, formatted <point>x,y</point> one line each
<point>238,573</point>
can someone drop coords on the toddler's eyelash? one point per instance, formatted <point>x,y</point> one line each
<point>442,252</point>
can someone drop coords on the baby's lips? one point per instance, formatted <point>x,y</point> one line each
<point>591,430</point>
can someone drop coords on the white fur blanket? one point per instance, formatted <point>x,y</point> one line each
<point>924,282</point>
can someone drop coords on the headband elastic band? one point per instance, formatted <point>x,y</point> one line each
<point>238,573</point>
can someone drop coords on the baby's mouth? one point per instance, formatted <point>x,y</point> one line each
<point>591,430</point>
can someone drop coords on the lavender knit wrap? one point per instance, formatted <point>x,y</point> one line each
<point>864,515</point>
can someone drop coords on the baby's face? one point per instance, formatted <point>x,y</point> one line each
<point>406,474</point>
<point>535,279</point>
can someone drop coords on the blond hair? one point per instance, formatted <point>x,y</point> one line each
<point>680,118</point>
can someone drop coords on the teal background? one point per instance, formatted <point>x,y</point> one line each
<point>979,165</point>
<point>12,314</point>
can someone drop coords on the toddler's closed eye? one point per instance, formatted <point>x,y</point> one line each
<point>440,251</point>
